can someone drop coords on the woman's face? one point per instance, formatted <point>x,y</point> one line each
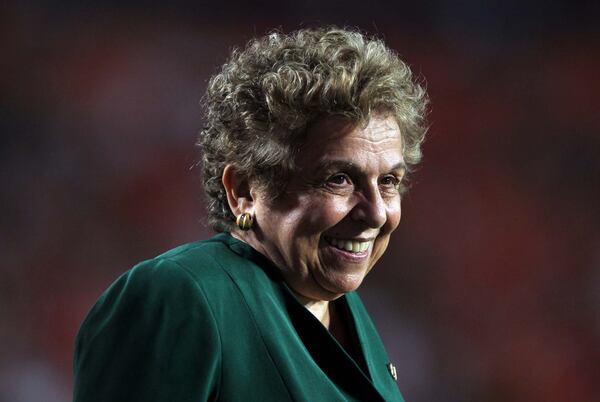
<point>334,221</point>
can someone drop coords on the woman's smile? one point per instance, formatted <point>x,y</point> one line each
<point>351,246</point>
<point>335,217</point>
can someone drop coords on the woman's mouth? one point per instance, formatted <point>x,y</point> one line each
<point>349,245</point>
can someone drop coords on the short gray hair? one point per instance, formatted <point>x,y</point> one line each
<point>260,104</point>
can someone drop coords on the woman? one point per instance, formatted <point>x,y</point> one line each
<point>309,139</point>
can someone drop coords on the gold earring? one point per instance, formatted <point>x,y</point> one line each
<point>245,221</point>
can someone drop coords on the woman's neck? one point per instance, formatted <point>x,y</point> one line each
<point>320,309</point>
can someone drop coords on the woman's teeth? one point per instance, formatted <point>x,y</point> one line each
<point>352,246</point>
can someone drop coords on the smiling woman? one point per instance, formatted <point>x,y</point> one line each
<point>309,138</point>
<point>333,222</point>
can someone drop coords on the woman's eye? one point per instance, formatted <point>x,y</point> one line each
<point>338,179</point>
<point>390,181</point>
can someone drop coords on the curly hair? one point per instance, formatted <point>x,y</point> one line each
<point>259,106</point>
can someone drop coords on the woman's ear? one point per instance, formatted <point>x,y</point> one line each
<point>238,189</point>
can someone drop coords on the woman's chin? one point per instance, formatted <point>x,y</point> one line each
<point>338,283</point>
<point>341,271</point>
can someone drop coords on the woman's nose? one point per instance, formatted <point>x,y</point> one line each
<point>370,208</point>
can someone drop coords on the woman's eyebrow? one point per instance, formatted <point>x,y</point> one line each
<point>330,165</point>
<point>399,166</point>
<point>348,166</point>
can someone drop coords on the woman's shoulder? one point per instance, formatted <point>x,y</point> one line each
<point>154,320</point>
<point>190,284</point>
<point>192,267</point>
<point>208,272</point>
<point>176,285</point>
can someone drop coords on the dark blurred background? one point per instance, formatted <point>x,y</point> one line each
<point>490,290</point>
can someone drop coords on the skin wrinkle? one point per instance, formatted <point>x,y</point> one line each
<point>291,229</point>
<point>280,84</point>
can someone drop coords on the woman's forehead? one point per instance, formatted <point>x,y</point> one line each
<point>377,128</point>
<point>338,138</point>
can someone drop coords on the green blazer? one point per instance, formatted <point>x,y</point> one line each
<point>213,321</point>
